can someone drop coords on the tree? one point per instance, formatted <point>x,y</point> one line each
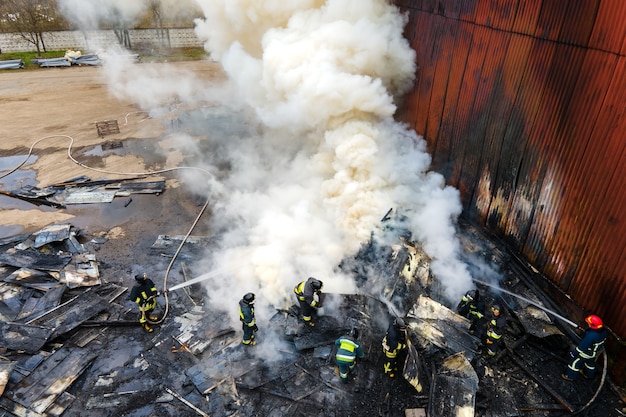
<point>29,19</point>
<point>157,18</point>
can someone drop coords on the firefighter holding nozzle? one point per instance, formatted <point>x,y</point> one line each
<point>472,307</point>
<point>583,358</point>
<point>144,294</point>
<point>394,346</point>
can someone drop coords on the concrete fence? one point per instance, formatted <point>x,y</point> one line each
<point>91,41</point>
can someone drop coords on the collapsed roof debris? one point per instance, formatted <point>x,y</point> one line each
<point>60,341</point>
<point>83,190</point>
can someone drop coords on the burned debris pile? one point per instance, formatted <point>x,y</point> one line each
<point>84,190</point>
<point>71,344</point>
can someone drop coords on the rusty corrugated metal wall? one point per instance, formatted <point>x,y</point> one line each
<point>522,104</point>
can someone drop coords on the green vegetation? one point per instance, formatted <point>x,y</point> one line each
<point>174,55</point>
<point>161,55</point>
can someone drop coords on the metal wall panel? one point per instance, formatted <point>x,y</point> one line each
<point>522,105</point>
<point>526,16</point>
<point>609,30</point>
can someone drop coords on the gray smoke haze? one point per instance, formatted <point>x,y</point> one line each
<point>320,79</point>
<point>93,14</point>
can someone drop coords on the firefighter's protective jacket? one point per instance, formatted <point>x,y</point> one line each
<point>394,341</point>
<point>144,294</point>
<point>495,328</point>
<point>471,309</point>
<point>348,350</point>
<point>305,293</point>
<point>590,345</point>
<point>246,314</point>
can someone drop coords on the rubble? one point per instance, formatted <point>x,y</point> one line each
<point>63,337</point>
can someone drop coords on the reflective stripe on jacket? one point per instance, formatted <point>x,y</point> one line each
<point>299,290</point>
<point>591,343</point>
<point>305,293</point>
<point>348,350</point>
<point>144,293</point>
<point>246,314</point>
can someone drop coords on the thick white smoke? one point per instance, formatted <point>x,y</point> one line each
<point>321,78</point>
<point>324,74</point>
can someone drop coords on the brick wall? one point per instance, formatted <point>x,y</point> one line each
<point>91,41</point>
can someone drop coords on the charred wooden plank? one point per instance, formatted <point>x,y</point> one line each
<point>50,299</point>
<point>454,388</point>
<point>29,338</point>
<point>60,405</point>
<point>82,272</point>
<point>145,187</point>
<point>72,313</point>
<point>42,387</point>
<point>16,409</point>
<point>5,372</point>
<point>524,367</point>
<point>411,369</point>
<point>84,181</point>
<point>32,278</point>
<point>34,260</point>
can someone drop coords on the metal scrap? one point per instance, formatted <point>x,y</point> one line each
<point>11,64</point>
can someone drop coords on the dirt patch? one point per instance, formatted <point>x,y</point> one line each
<point>54,108</point>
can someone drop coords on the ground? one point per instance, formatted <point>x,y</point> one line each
<point>65,104</point>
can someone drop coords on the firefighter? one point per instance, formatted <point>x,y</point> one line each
<point>394,346</point>
<point>349,349</point>
<point>309,294</point>
<point>144,294</point>
<point>495,331</point>
<point>246,316</point>
<point>472,307</point>
<point>584,356</point>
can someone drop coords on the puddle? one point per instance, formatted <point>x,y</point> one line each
<point>19,178</point>
<point>6,231</point>
<point>15,181</point>
<point>147,149</point>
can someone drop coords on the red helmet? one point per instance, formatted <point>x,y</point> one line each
<point>594,322</point>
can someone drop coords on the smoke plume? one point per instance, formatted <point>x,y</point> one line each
<point>324,159</point>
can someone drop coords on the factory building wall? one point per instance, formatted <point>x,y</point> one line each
<point>522,105</point>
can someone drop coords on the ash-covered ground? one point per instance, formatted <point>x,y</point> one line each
<point>194,363</point>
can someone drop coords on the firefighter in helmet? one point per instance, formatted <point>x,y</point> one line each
<point>584,356</point>
<point>495,330</point>
<point>394,346</point>
<point>472,307</point>
<point>248,321</point>
<point>309,294</point>
<point>144,294</point>
<point>349,349</point>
